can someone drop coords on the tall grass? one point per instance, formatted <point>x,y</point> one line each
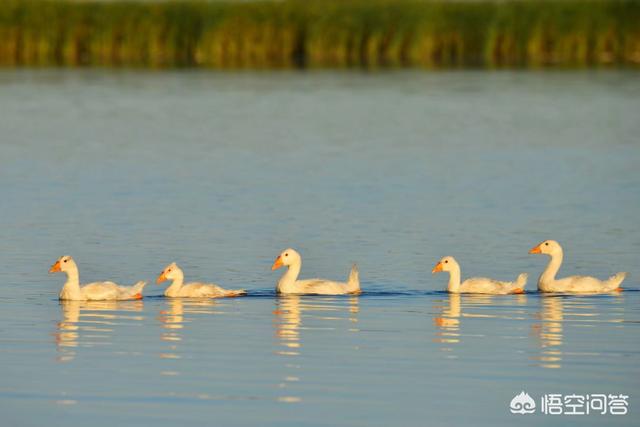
<point>319,33</point>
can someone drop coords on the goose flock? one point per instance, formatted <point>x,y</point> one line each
<point>290,284</point>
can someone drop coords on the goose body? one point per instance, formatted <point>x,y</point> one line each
<point>477,285</point>
<point>96,291</point>
<point>289,283</point>
<point>571,284</point>
<point>179,289</point>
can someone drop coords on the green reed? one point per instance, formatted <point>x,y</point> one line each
<point>319,33</point>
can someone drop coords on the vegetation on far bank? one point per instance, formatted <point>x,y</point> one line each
<point>319,33</point>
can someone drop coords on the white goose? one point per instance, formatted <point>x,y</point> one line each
<point>289,283</point>
<point>571,284</point>
<point>96,291</point>
<point>179,289</point>
<point>477,285</point>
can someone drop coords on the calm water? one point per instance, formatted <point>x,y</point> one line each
<point>128,171</point>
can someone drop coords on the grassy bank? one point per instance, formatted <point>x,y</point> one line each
<point>319,33</point>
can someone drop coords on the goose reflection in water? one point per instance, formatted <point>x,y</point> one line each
<point>549,332</point>
<point>290,312</point>
<point>456,307</point>
<point>448,322</point>
<point>91,323</point>
<point>173,321</point>
<point>558,311</point>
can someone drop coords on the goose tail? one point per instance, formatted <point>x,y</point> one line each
<point>139,286</point>
<point>614,281</point>
<point>353,282</point>
<point>136,290</point>
<point>520,283</point>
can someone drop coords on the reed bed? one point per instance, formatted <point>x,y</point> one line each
<point>320,33</point>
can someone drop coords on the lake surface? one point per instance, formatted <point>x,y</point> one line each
<point>129,170</point>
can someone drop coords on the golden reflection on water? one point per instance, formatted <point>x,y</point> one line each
<point>91,323</point>
<point>556,313</point>
<point>173,322</point>
<point>448,322</point>
<point>549,332</point>
<point>288,324</point>
<point>456,307</point>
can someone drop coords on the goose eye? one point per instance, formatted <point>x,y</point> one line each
<point>446,261</point>
<point>66,260</point>
<point>286,254</point>
<point>546,243</point>
<point>168,270</point>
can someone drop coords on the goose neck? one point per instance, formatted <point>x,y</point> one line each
<point>454,279</point>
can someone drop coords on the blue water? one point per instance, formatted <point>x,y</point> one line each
<point>127,171</point>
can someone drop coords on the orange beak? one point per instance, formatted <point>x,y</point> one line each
<point>437,268</point>
<point>55,267</point>
<point>161,278</point>
<point>277,263</point>
<point>535,250</point>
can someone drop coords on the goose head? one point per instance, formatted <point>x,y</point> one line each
<point>170,272</point>
<point>286,258</point>
<point>64,263</point>
<point>548,247</point>
<point>447,263</point>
